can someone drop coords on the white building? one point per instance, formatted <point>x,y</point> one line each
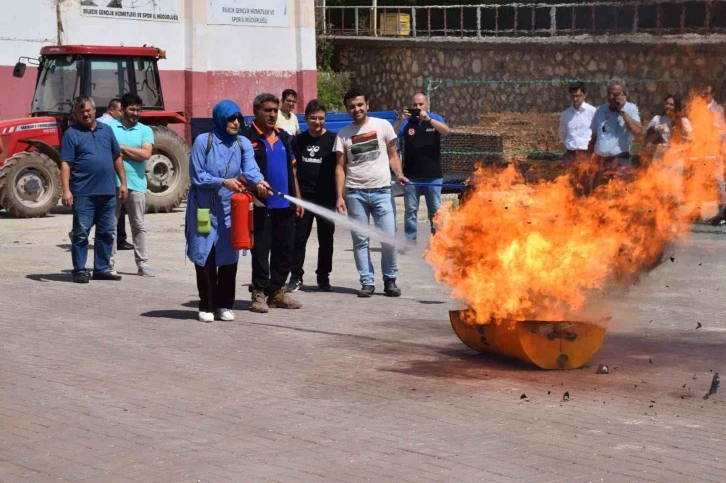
<point>216,49</point>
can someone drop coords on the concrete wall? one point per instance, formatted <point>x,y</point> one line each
<point>206,62</point>
<point>390,70</point>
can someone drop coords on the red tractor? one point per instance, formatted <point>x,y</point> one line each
<point>30,147</point>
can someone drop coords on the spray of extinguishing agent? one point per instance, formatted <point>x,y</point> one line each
<point>343,220</point>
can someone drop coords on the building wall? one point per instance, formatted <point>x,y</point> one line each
<point>390,70</point>
<point>205,62</point>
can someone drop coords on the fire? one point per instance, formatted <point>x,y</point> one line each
<point>545,252</point>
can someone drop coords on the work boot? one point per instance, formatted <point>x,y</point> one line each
<point>259,304</point>
<point>280,300</point>
<point>366,291</point>
<point>390,288</point>
<point>81,277</point>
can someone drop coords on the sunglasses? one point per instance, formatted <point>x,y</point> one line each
<point>237,117</point>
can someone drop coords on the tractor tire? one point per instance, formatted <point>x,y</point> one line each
<point>167,171</point>
<point>30,185</point>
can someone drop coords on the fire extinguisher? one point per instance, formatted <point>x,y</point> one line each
<point>243,227</point>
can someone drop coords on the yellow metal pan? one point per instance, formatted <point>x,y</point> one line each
<point>545,344</point>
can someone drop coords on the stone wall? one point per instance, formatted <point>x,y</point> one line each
<point>390,70</point>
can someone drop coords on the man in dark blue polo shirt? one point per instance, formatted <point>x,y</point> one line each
<point>421,133</point>
<point>90,155</point>
<point>274,222</point>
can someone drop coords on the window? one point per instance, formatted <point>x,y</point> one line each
<point>147,85</point>
<point>57,85</point>
<point>107,78</point>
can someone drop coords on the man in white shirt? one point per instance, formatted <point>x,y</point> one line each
<point>287,120</point>
<point>575,124</point>
<point>113,112</point>
<point>366,154</point>
<point>705,91</point>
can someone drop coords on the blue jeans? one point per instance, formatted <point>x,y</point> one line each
<point>361,205</point>
<point>411,197</point>
<point>89,211</point>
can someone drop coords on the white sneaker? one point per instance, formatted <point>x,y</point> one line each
<point>225,315</point>
<point>206,317</point>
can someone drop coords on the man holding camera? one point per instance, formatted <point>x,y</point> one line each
<point>420,132</point>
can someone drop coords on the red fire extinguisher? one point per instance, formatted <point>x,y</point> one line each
<point>243,227</point>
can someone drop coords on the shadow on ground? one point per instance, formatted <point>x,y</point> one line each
<point>633,359</point>
<point>172,314</point>
<point>65,276</point>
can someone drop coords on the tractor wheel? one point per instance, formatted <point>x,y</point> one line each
<point>167,171</point>
<point>29,185</point>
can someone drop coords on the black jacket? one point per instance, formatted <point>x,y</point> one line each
<point>261,155</point>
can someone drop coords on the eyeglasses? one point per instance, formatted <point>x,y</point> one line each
<point>237,117</point>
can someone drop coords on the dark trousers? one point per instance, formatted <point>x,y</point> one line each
<point>273,247</point>
<point>215,285</point>
<point>89,211</point>
<point>121,227</point>
<point>303,228</point>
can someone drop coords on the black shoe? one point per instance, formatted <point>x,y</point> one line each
<point>124,245</point>
<point>325,286</point>
<point>390,289</point>
<point>81,277</point>
<point>293,285</point>
<point>718,220</point>
<point>105,276</point>
<point>366,291</point>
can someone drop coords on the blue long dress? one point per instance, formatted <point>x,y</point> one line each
<point>207,172</point>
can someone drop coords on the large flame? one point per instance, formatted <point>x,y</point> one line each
<point>546,252</point>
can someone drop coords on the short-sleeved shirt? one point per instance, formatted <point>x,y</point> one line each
<point>613,136</point>
<point>90,154</point>
<point>133,137</point>
<point>422,148</point>
<point>277,173</point>
<point>291,125</point>
<point>316,163</point>
<point>366,149</point>
<point>576,127</point>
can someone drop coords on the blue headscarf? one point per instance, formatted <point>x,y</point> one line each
<point>221,112</point>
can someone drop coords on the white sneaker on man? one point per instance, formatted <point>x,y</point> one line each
<point>225,315</point>
<point>206,317</point>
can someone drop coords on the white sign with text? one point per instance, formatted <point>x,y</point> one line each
<point>155,10</point>
<point>260,13</point>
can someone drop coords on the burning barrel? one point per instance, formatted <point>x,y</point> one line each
<point>545,344</point>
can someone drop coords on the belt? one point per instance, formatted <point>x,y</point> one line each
<point>368,190</point>
<point>575,151</point>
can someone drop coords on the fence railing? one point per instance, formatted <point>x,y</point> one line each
<point>658,18</point>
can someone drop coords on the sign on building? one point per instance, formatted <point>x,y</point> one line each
<point>263,13</point>
<point>158,10</point>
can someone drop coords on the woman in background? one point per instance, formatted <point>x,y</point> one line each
<point>671,126</point>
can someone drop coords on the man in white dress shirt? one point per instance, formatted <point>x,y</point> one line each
<point>575,125</point>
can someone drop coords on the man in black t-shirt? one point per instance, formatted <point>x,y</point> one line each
<point>420,133</point>
<point>313,149</point>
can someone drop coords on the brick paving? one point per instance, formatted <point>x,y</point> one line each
<point>117,382</point>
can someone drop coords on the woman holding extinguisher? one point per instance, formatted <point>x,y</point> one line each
<point>222,164</point>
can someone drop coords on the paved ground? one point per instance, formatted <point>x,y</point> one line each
<point>117,382</point>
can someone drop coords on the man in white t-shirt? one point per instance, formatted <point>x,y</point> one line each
<point>287,120</point>
<point>366,153</point>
